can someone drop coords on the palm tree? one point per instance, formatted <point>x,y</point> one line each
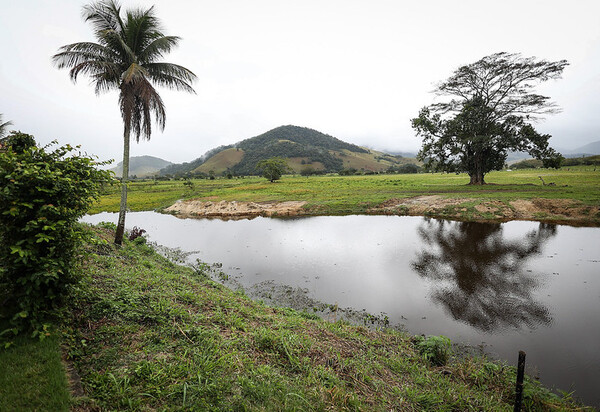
<point>126,59</point>
<point>3,127</point>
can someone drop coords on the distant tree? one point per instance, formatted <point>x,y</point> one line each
<point>490,112</point>
<point>273,168</point>
<point>307,171</point>
<point>126,58</point>
<point>3,127</point>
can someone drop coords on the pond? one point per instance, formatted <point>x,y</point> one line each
<point>503,287</point>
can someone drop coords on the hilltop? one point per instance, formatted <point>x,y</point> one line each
<point>301,146</point>
<point>141,166</point>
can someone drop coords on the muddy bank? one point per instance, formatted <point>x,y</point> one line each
<point>235,210</point>
<point>563,211</point>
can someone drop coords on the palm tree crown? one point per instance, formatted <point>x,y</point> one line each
<point>125,58</point>
<point>3,127</point>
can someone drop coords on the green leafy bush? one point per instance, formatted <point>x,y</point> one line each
<point>435,349</point>
<point>42,195</point>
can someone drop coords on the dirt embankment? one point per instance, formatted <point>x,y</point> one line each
<point>235,210</point>
<point>562,211</point>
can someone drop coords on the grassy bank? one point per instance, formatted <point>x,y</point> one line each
<point>145,334</point>
<point>332,195</point>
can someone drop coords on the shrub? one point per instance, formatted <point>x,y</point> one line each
<point>435,349</point>
<point>43,195</point>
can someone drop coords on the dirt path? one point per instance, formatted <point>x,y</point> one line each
<point>562,211</point>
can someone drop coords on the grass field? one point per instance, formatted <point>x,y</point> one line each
<point>332,195</point>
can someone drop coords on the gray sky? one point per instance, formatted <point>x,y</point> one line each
<point>355,69</point>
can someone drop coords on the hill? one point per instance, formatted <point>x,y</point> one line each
<point>141,166</point>
<point>303,147</point>
<point>589,149</point>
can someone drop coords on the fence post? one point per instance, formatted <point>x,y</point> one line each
<point>520,376</point>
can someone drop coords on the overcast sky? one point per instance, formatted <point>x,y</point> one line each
<point>355,69</point>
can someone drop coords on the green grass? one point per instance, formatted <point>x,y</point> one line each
<point>147,334</point>
<point>331,195</point>
<point>32,376</point>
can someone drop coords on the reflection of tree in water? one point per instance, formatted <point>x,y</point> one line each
<point>478,275</point>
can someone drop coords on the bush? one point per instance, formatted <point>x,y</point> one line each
<point>435,349</point>
<point>43,195</point>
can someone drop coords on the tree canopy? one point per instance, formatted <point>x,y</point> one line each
<point>272,168</point>
<point>490,112</point>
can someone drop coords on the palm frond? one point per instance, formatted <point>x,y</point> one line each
<point>172,76</point>
<point>104,15</point>
<point>3,126</point>
<point>158,47</point>
<point>77,53</point>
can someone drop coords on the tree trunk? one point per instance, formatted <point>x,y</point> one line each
<point>477,174</point>
<point>124,180</point>
<point>477,179</point>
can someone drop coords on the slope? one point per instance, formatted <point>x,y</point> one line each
<point>141,166</point>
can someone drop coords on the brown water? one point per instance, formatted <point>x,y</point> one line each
<point>514,286</point>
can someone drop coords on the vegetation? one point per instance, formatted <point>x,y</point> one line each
<point>145,333</point>
<point>490,112</point>
<point>339,195</point>
<point>573,161</point>
<point>43,195</point>
<point>32,376</point>
<point>126,59</point>
<point>272,169</point>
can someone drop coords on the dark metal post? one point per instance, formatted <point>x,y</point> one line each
<point>520,376</point>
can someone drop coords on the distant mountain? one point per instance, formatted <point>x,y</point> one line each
<point>142,166</point>
<point>301,146</point>
<point>589,149</point>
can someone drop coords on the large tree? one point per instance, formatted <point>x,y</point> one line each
<point>127,58</point>
<point>488,111</point>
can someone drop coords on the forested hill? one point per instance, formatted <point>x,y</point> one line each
<point>303,147</point>
<point>140,166</point>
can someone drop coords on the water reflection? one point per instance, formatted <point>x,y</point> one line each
<point>478,276</point>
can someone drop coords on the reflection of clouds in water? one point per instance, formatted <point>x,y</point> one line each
<point>478,275</point>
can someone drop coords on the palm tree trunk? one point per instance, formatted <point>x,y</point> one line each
<point>124,180</point>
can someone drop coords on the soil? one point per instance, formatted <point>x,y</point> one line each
<point>561,211</point>
<point>235,210</point>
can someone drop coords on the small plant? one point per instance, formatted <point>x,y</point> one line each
<point>435,349</point>
<point>189,185</point>
<point>135,233</point>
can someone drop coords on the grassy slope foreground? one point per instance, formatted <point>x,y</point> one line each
<point>146,334</point>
